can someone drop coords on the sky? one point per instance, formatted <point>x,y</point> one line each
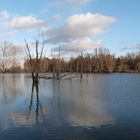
<point>74,25</point>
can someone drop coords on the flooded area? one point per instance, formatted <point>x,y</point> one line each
<point>97,107</point>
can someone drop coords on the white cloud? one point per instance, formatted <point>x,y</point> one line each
<point>89,19</point>
<point>81,45</point>
<point>70,3</point>
<point>24,22</point>
<point>80,26</point>
<point>4,15</point>
<point>43,31</point>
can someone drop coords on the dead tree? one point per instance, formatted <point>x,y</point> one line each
<point>36,61</point>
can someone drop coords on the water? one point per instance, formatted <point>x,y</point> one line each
<point>98,107</point>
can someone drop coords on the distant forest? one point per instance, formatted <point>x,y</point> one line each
<point>99,61</point>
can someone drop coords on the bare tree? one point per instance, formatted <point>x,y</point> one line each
<point>4,55</point>
<point>15,52</point>
<point>36,61</point>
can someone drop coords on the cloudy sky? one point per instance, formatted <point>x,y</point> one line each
<point>79,25</point>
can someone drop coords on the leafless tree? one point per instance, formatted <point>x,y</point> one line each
<point>4,55</point>
<point>36,61</point>
<point>15,52</point>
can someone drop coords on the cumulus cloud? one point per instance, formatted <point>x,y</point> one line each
<point>4,15</point>
<point>80,45</point>
<point>70,3</point>
<point>80,26</point>
<point>24,22</point>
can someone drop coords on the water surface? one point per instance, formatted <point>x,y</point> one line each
<point>98,107</point>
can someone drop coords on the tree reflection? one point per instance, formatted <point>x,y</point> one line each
<point>4,89</point>
<point>38,108</point>
<point>9,88</point>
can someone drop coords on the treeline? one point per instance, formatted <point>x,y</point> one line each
<point>100,61</point>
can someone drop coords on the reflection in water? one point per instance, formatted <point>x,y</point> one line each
<point>4,90</point>
<point>38,104</point>
<point>97,107</point>
<point>80,104</point>
<point>9,88</point>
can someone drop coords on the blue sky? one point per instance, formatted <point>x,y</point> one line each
<point>79,25</point>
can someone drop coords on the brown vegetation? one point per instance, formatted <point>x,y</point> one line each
<point>100,60</point>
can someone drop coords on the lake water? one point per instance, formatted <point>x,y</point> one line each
<point>98,107</point>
